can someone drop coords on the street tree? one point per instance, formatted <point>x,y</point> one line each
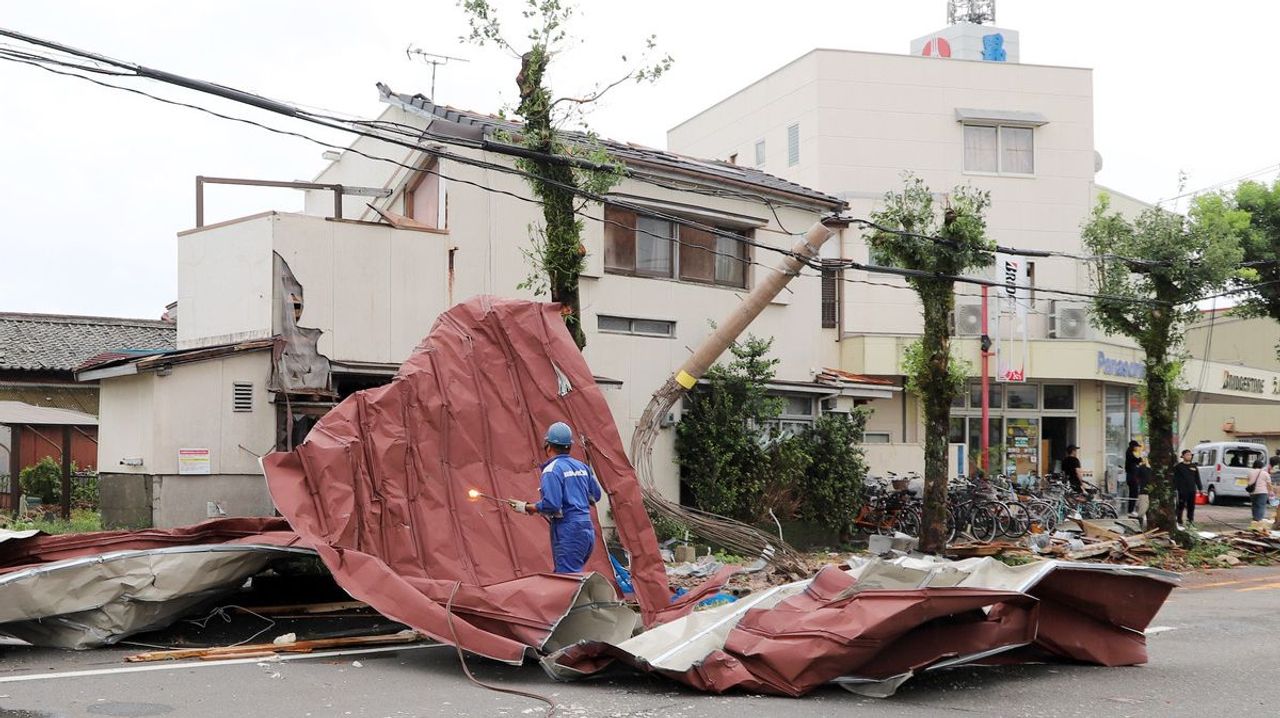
<point>1260,241</point>
<point>1149,273</point>
<point>561,167</point>
<point>937,247</point>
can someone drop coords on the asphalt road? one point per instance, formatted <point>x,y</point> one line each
<point>1213,653</point>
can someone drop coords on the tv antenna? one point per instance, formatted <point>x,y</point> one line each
<point>977,12</point>
<point>434,60</point>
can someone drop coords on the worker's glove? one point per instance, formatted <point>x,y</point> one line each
<point>519,507</point>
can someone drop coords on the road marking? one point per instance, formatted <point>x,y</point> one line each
<point>1153,630</point>
<point>1237,582</point>
<point>176,665</point>
<point>1263,587</point>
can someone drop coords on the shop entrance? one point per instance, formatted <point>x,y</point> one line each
<point>1058,433</point>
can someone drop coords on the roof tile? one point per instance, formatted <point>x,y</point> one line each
<point>56,342</point>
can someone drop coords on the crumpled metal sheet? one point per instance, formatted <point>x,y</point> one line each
<point>380,485</point>
<point>87,590</point>
<point>872,627</point>
<point>98,600</point>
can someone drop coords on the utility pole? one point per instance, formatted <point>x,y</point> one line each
<point>434,60</point>
<point>986,392</point>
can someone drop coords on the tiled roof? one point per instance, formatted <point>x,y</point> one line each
<point>478,128</point>
<point>55,342</point>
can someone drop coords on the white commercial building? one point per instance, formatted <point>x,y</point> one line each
<point>851,124</point>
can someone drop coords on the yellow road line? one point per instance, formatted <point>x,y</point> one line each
<point>1260,588</point>
<point>1236,582</point>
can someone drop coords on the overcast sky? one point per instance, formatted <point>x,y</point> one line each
<point>94,183</point>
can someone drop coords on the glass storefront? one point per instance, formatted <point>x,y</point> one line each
<point>1030,426</point>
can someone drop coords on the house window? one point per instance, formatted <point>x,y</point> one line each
<point>875,437</point>
<point>654,240</point>
<point>793,145</point>
<point>651,247</point>
<point>242,396</point>
<point>797,414</point>
<point>999,149</point>
<point>423,198</point>
<point>759,152</point>
<point>638,327</point>
<point>830,298</point>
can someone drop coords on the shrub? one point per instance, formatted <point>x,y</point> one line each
<point>833,479</point>
<point>43,479</point>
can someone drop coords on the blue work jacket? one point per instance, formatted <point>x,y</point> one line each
<point>568,488</point>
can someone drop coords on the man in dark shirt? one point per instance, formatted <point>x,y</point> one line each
<point>1186,482</point>
<point>1071,467</point>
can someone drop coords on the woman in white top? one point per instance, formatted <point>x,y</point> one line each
<point>1260,480</point>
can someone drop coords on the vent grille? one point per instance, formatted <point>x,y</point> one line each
<point>793,145</point>
<point>242,396</point>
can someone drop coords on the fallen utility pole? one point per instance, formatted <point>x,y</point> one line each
<point>735,535</point>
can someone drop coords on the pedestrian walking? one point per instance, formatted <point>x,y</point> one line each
<point>1259,489</point>
<point>1186,484</point>
<point>1132,460</point>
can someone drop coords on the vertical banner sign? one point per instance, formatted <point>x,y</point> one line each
<point>1013,299</point>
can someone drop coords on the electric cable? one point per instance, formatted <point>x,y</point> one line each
<point>266,103</point>
<point>552,707</point>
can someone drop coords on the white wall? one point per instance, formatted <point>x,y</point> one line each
<point>225,282</point>
<point>866,118</point>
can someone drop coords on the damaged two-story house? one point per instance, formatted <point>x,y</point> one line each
<point>284,314</point>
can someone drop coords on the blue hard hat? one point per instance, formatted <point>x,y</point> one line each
<point>559,434</point>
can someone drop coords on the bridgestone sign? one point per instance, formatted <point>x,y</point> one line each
<point>1235,382</point>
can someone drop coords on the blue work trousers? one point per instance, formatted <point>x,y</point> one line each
<point>571,544</point>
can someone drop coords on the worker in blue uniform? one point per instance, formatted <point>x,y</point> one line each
<point>568,488</point>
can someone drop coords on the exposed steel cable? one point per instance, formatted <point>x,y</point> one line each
<point>552,707</point>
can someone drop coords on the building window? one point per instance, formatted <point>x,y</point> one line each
<point>651,247</point>
<point>1059,397</point>
<point>994,391</point>
<point>793,145</point>
<point>638,327</point>
<point>654,241</point>
<point>1021,396</point>
<point>759,152</point>
<point>797,414</point>
<point>830,297</point>
<point>242,396</point>
<point>423,198</point>
<point>875,437</point>
<point>999,149</point>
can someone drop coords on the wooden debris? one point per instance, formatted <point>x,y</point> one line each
<point>255,650</point>
<point>306,608</point>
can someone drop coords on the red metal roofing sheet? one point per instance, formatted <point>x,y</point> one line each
<point>380,486</point>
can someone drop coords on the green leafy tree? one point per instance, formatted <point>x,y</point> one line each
<point>1260,242</point>
<point>723,439</point>
<point>915,235</point>
<point>831,490</point>
<point>559,169</point>
<point>1150,273</point>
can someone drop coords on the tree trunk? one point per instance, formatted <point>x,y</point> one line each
<point>1162,403</point>
<point>562,252</point>
<point>936,397</point>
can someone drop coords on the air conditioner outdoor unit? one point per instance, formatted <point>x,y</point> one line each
<point>1068,322</point>
<point>966,320</point>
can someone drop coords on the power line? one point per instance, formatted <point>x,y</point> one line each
<point>288,110</point>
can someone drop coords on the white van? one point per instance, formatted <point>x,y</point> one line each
<point>1224,467</point>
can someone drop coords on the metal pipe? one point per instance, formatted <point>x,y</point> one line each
<point>66,472</point>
